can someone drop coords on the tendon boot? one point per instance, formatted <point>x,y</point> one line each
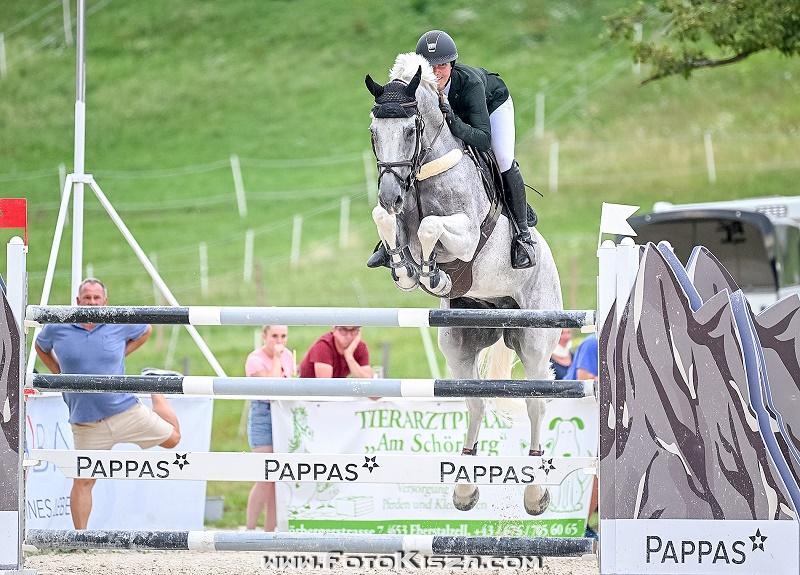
<point>379,257</point>
<point>523,246</point>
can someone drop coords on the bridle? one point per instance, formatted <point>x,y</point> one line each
<point>420,153</point>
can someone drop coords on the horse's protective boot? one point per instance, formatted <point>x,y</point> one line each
<point>379,257</point>
<point>523,246</point>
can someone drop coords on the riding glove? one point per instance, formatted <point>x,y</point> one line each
<point>444,106</point>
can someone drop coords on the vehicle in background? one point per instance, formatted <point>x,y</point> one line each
<point>756,239</point>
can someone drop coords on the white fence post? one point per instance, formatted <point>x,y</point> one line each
<point>238,184</point>
<point>90,270</point>
<point>172,346</point>
<point>711,166</point>
<point>3,65</point>
<point>553,171</point>
<point>203,268</point>
<point>62,177</point>
<point>297,233</point>
<point>637,37</point>
<point>538,129</point>
<point>344,222</point>
<point>369,177</point>
<point>67,22</point>
<point>430,354</point>
<point>249,240</point>
<point>13,516</point>
<point>156,292</point>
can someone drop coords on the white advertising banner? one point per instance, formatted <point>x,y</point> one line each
<point>117,504</point>
<point>429,428</point>
<point>701,547</point>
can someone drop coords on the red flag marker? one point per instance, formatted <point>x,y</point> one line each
<point>14,214</point>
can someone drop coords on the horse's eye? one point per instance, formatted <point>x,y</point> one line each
<point>408,131</point>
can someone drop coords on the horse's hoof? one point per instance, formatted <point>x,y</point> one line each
<point>466,500</point>
<point>536,504</point>
<point>409,282</point>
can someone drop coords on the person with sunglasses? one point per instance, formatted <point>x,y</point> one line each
<point>337,353</point>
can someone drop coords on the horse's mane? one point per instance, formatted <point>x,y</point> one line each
<point>406,65</point>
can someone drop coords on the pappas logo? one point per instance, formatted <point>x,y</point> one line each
<point>122,468</point>
<point>666,551</point>
<point>275,470</point>
<point>450,472</point>
<point>130,468</point>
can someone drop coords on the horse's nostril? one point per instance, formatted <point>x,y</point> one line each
<point>398,203</point>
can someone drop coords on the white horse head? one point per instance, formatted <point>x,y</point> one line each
<point>403,107</point>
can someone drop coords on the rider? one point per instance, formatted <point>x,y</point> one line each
<point>480,112</point>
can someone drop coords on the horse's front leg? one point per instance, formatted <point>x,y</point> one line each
<point>457,235</point>
<point>404,272</point>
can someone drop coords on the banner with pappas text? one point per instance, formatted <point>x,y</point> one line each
<point>430,428</point>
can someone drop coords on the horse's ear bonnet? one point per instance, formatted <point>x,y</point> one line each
<point>396,99</point>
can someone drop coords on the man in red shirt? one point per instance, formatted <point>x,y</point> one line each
<point>338,353</point>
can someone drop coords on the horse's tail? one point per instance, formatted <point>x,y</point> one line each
<point>498,363</point>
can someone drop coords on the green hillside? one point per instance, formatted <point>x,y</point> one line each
<point>175,88</point>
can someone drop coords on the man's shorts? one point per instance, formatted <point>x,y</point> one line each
<point>139,425</point>
<point>259,424</point>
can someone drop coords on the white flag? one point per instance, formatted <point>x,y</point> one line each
<point>614,219</point>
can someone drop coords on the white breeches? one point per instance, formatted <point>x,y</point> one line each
<point>503,134</point>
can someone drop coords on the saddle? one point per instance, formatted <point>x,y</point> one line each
<point>460,272</point>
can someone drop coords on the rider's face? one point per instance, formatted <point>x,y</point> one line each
<point>442,72</point>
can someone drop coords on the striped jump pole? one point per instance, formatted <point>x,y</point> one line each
<point>347,468</point>
<point>313,388</point>
<point>312,316</point>
<point>210,541</point>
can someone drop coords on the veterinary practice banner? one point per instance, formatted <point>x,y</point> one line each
<point>117,504</point>
<point>432,428</point>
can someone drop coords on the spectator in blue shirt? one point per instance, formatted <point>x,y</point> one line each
<point>585,366</point>
<point>101,420</point>
<point>584,362</point>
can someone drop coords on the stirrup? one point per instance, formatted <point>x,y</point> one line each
<point>523,252</point>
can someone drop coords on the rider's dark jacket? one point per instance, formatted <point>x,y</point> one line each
<point>474,94</point>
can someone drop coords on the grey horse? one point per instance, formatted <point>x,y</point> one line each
<point>409,131</point>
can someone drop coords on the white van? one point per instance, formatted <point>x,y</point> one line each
<point>757,239</point>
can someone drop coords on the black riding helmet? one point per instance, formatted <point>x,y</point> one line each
<point>437,47</point>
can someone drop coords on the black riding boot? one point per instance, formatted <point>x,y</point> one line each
<point>523,246</point>
<point>379,257</point>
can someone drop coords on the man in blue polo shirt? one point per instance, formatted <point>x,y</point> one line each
<point>100,420</point>
<point>585,366</point>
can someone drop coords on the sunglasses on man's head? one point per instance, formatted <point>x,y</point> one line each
<point>348,329</point>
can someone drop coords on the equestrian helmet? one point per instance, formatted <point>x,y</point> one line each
<point>437,47</point>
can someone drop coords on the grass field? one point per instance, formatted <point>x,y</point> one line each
<point>175,88</point>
